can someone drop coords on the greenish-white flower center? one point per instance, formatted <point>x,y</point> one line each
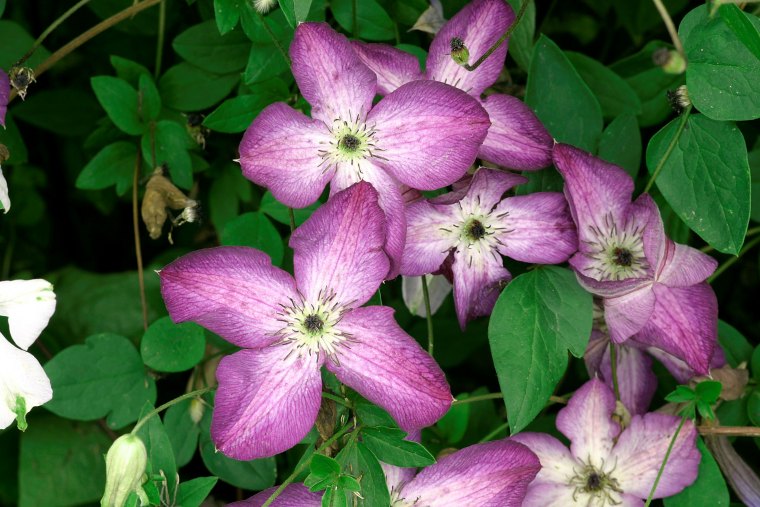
<point>311,327</point>
<point>351,142</point>
<point>476,231</point>
<point>595,486</point>
<point>618,254</point>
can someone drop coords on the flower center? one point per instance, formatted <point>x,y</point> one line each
<point>352,142</point>
<point>617,254</point>
<point>622,257</point>
<point>313,324</point>
<point>474,230</point>
<point>349,143</point>
<point>593,486</point>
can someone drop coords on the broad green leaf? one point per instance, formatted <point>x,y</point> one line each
<point>521,40</point>
<point>61,463</point>
<point>705,179</point>
<point>192,493</point>
<point>735,346</point>
<point>113,165</point>
<point>264,61</point>
<point>709,490</point>
<point>11,138</point>
<point>743,28</point>
<point>15,41</point>
<point>334,497</point>
<point>372,21</point>
<point>539,316</point>
<point>202,46</point>
<point>120,102</point>
<point>753,407</point>
<point>360,462</point>
<point>279,211</point>
<point>254,230</point>
<point>171,347</point>
<point>372,415</point>
<point>227,13</point>
<point>754,167</point>
<point>159,447</point>
<point>389,446</point>
<point>324,466</point>
<point>103,377</point>
<point>453,425</point>
<point>150,101</point>
<point>170,141</point>
<point>640,17</point>
<point>621,144</point>
<point>224,197</point>
<point>128,70</point>
<point>723,76</point>
<point>236,114</point>
<point>63,111</point>
<point>295,11</point>
<point>615,95</point>
<point>182,430</point>
<point>557,92</point>
<point>185,87</point>
<point>755,363</point>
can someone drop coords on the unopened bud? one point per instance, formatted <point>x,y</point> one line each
<point>459,52</point>
<point>196,410</point>
<point>125,470</point>
<point>21,78</point>
<point>669,60</point>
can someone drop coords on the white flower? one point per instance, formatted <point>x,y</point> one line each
<point>4,199</point>
<point>28,304</point>
<point>125,469</point>
<point>23,384</point>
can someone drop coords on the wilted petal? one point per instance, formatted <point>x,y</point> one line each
<point>5,199</point>
<point>294,495</point>
<point>636,380</point>
<point>411,289</point>
<point>641,448</point>
<point>479,276</point>
<point>586,421</point>
<point>329,74</point>
<point>537,228</point>
<point>392,66</point>
<point>21,376</point>
<point>684,323</point>
<point>431,20</point>
<point>339,249</point>
<point>428,237</point>
<point>625,315</point>
<point>517,139</point>
<point>5,92</point>
<point>487,187</point>
<point>557,464</point>
<point>280,151</point>
<point>390,369</point>
<point>266,402</point>
<point>28,304</point>
<point>428,133</point>
<point>232,291</point>
<point>490,474</point>
<point>478,25</point>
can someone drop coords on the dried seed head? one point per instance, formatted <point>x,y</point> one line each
<point>21,78</point>
<point>160,194</point>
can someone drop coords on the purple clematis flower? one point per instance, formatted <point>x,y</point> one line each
<point>5,92</point>
<point>493,474</point>
<point>607,465</point>
<point>516,139</point>
<point>651,287</point>
<point>424,135</point>
<point>464,234</point>
<point>269,393</point>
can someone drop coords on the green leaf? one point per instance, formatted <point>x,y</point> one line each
<point>389,446</point>
<point>159,447</point>
<point>227,14</point>
<point>295,11</point>
<point>745,31</point>
<point>202,46</point>
<point>360,461</point>
<point>709,490</point>
<point>709,391</point>
<point>150,101</point>
<point>236,114</point>
<point>119,100</point>
<point>323,466</point>
<point>615,95</point>
<point>182,430</point>
<point>754,167</point>
<point>128,70</point>
<point>453,425</point>
<point>755,363</point>
<point>521,40</point>
<point>170,141</point>
<point>557,92</point>
<point>254,230</point>
<point>279,211</point>
<point>15,41</point>
<point>621,144</point>
<point>723,76</point>
<point>264,61</point>
<point>347,482</point>
<point>372,21</point>
<point>192,493</point>
<point>171,347</point>
<point>103,377</point>
<point>706,179</point>
<point>223,198</point>
<point>682,394</point>
<point>538,317</point>
<point>372,415</point>
<point>113,165</point>
<point>753,407</point>
<point>11,138</point>
<point>61,463</point>
<point>334,497</point>
<point>185,87</point>
<point>64,111</point>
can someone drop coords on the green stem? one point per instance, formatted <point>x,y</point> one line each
<point>55,24</point>
<point>146,417</point>
<point>664,461</point>
<point>501,40</point>
<point>494,433</point>
<point>327,443</point>
<point>670,26</point>
<point>428,314</point>
<point>336,399</point>
<point>272,36</point>
<point>160,40</point>
<point>292,217</point>
<point>613,366</point>
<point>671,147</point>
<point>480,397</point>
<point>730,262</point>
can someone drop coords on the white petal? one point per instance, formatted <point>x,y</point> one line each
<point>414,299</point>
<point>4,199</point>
<point>21,375</point>
<point>28,304</point>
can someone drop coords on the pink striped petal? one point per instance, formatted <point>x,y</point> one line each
<point>626,315</point>
<point>428,133</point>
<point>5,92</point>
<point>478,277</point>
<point>233,291</point>
<point>266,402</point>
<point>339,249</point>
<point>294,495</point>
<point>428,240</point>
<point>478,25</point>
<point>280,151</point>
<point>517,139</point>
<point>557,464</point>
<point>493,474</point>
<point>390,369</point>
<point>487,187</point>
<point>329,74</point>
<point>392,66</point>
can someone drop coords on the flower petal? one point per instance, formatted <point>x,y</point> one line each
<point>641,448</point>
<point>557,464</point>
<point>329,74</point>
<point>414,298</point>
<point>684,323</point>
<point>294,495</point>
<point>428,240</point>
<point>587,422</point>
<point>5,92</point>
<point>542,495</point>
<point>479,276</point>
<point>490,474</point>
<point>339,249</point>
<point>280,151</point>
<point>21,375</point>
<point>517,139</point>
<point>5,199</point>
<point>636,380</point>
<point>393,67</point>
<point>428,133</point>
<point>28,304</point>
<point>625,315</point>
<point>233,291</point>
<point>538,228</point>
<point>390,369</point>
<point>266,402</point>
<point>487,187</point>
<point>478,25</point>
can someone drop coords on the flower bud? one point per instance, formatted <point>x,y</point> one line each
<point>670,61</point>
<point>125,469</point>
<point>459,52</point>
